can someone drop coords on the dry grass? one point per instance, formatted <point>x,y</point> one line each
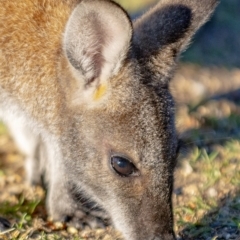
<point>207,188</point>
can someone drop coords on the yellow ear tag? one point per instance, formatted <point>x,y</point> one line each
<point>100,91</point>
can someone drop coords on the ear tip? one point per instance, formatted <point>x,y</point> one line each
<point>106,12</point>
<point>97,37</point>
<point>170,24</point>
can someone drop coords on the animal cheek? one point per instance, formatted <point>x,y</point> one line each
<point>139,188</point>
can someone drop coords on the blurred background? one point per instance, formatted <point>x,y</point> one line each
<point>217,43</point>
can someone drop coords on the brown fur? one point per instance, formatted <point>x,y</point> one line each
<point>88,86</point>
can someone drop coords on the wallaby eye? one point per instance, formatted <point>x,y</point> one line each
<point>123,166</point>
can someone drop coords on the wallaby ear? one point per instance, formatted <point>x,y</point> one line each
<point>162,33</point>
<point>96,40</point>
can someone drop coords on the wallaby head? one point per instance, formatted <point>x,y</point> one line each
<point>124,110</point>
<point>116,139</point>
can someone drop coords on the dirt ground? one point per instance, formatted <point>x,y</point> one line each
<point>207,196</point>
<point>207,179</point>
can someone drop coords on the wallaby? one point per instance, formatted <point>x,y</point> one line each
<point>92,89</point>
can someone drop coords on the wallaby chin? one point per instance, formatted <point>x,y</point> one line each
<point>88,90</point>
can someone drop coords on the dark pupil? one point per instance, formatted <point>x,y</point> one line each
<point>122,166</point>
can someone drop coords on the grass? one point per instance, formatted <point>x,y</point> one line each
<point>196,217</point>
<point>22,213</point>
<point>207,206</point>
<point>23,206</point>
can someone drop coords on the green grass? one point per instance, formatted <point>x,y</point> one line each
<point>22,214</point>
<point>25,207</point>
<point>220,167</point>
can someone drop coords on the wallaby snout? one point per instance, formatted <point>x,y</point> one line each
<point>92,87</point>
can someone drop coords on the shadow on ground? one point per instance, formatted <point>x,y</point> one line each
<point>222,222</point>
<point>207,191</point>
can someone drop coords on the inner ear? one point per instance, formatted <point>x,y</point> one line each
<point>96,39</point>
<point>87,55</point>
